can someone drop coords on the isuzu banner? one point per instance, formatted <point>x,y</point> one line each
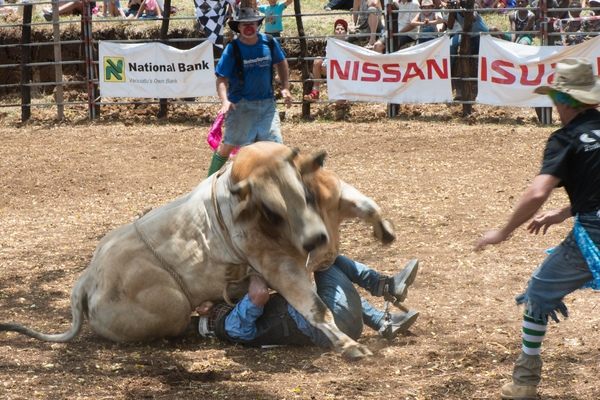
<point>419,74</point>
<point>155,70</point>
<point>509,72</point>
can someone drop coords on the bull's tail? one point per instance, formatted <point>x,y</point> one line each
<point>77,306</point>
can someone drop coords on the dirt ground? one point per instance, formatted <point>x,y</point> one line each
<point>443,180</point>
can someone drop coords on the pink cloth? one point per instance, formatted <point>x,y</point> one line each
<point>215,134</point>
<point>151,4</point>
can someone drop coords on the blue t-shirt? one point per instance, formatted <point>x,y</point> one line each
<point>272,17</point>
<point>478,24</point>
<point>257,69</point>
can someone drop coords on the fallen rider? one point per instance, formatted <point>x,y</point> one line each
<point>261,319</point>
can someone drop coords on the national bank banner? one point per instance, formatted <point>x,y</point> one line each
<point>419,74</point>
<point>509,72</point>
<point>155,70</point>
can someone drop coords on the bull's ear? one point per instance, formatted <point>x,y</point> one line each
<point>313,163</point>
<point>242,189</point>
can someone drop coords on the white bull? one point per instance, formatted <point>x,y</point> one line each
<point>269,209</point>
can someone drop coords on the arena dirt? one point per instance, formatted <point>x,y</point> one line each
<point>442,180</point>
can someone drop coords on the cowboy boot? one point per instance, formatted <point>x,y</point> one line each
<point>527,374</point>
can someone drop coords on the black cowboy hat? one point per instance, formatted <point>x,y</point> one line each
<point>244,15</point>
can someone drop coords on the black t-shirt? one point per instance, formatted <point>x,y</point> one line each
<point>572,154</point>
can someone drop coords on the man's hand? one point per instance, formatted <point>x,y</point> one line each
<point>490,237</point>
<point>258,291</point>
<point>225,106</point>
<point>287,97</point>
<point>547,219</point>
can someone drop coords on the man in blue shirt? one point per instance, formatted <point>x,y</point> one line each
<point>249,106</point>
<point>263,319</point>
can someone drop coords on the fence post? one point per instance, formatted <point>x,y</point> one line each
<point>88,51</point>
<point>307,85</point>
<point>25,60</point>
<point>164,30</point>
<point>545,113</point>
<point>465,61</point>
<point>58,72</point>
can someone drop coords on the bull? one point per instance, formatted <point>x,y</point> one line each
<point>271,210</point>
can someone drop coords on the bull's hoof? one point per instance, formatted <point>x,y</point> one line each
<point>384,231</point>
<point>356,352</point>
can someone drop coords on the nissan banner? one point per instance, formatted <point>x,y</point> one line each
<point>508,72</point>
<point>155,70</point>
<point>419,74</point>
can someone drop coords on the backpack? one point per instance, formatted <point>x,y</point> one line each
<point>239,65</point>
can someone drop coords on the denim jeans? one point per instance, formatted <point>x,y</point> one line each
<point>252,121</point>
<point>562,272</point>
<point>335,287</point>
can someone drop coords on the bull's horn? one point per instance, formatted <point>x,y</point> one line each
<point>313,163</point>
<point>242,189</point>
<point>293,154</point>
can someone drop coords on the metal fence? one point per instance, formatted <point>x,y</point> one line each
<point>82,35</point>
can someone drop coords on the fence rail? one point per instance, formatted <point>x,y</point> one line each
<point>86,64</point>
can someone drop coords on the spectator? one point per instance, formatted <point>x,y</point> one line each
<point>132,8</point>
<point>485,3</point>
<point>592,25</point>
<point>66,8</point>
<point>571,160</point>
<point>503,4</point>
<point>273,12</point>
<point>261,319</point>
<point>151,9</point>
<point>574,25</point>
<point>339,5</point>
<point>521,21</point>
<point>340,29</point>
<point>441,5</point>
<point>5,10</point>
<point>113,9</point>
<point>247,96</point>
<point>407,33</point>
<point>427,21</point>
<point>367,22</point>
<point>478,27</point>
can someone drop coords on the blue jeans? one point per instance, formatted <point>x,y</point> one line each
<point>252,121</point>
<point>473,44</point>
<point>562,272</point>
<point>335,287</point>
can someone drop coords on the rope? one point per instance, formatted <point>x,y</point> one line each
<point>163,262</point>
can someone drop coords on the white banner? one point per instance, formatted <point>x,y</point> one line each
<point>419,74</point>
<point>509,72</point>
<point>155,70</point>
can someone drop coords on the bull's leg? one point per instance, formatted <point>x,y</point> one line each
<point>147,307</point>
<point>354,204</point>
<point>295,286</point>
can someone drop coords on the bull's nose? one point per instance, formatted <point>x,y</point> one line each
<point>317,241</point>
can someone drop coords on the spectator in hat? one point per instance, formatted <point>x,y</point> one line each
<point>401,23</point>
<point>247,96</point>
<point>340,30</point>
<point>571,160</point>
<point>427,21</point>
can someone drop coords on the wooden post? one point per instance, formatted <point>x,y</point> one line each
<point>164,31</point>
<point>25,60</point>
<point>58,72</point>
<point>465,62</point>
<point>303,63</point>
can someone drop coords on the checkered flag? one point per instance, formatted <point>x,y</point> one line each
<point>211,17</point>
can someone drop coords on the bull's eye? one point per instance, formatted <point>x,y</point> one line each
<point>272,216</point>
<point>310,198</point>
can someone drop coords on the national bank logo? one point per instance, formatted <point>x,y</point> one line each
<point>114,69</point>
